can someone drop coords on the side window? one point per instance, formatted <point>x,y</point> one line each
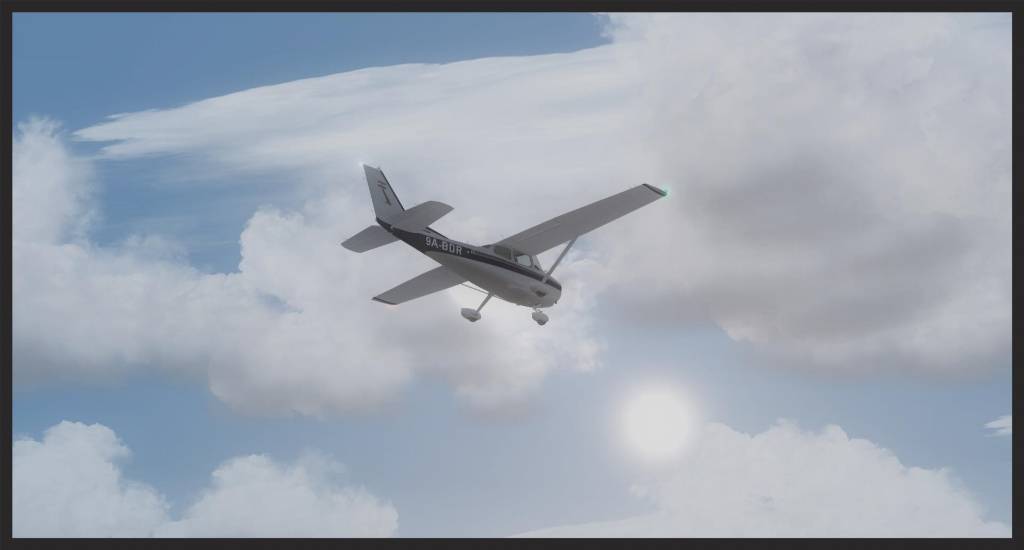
<point>503,251</point>
<point>524,260</point>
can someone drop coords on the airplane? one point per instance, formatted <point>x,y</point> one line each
<point>507,269</point>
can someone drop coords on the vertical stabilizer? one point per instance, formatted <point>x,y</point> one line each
<point>385,202</point>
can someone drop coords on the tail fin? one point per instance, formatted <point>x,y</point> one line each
<point>385,202</point>
<point>414,219</point>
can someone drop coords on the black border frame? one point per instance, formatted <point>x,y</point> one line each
<point>278,6</point>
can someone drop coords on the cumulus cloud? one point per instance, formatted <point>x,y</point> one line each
<point>54,200</point>
<point>840,197</point>
<point>1002,426</point>
<point>782,482</point>
<point>70,484</point>
<point>840,182</point>
<point>298,500</point>
<point>787,482</point>
<point>292,331</point>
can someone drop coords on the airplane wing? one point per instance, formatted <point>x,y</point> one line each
<point>435,280</point>
<point>564,228</point>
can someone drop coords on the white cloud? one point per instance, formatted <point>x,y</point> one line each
<point>781,482</point>
<point>293,331</point>
<point>840,182</point>
<point>786,482</point>
<point>291,501</point>
<point>1001,426</point>
<point>840,196</point>
<point>70,484</point>
<point>54,195</point>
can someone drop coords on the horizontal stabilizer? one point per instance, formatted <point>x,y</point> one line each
<point>420,216</point>
<point>435,280</point>
<point>368,239</point>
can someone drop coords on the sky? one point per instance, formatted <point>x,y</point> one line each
<point>823,298</point>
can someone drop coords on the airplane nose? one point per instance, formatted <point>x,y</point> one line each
<point>553,293</point>
<point>545,296</point>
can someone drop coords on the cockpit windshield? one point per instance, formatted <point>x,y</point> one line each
<point>526,260</point>
<point>503,251</point>
<point>521,258</point>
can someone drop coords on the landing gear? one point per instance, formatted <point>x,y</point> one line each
<point>539,315</point>
<point>473,315</point>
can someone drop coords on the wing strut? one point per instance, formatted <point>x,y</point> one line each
<point>560,256</point>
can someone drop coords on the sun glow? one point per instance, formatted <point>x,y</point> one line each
<point>657,422</point>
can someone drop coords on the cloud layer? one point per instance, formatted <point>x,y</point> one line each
<point>840,198</point>
<point>781,482</point>
<point>292,331</point>
<point>70,484</point>
<point>786,482</point>
<point>841,182</point>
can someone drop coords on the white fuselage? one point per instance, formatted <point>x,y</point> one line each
<point>504,283</point>
<point>516,283</point>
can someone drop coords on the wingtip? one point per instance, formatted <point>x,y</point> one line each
<point>661,192</point>
<point>377,299</point>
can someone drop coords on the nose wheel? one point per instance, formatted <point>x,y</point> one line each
<point>540,317</point>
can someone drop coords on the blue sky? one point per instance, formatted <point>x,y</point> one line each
<point>75,68</point>
<point>550,456</point>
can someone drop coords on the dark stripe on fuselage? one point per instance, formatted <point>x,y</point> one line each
<point>438,233</point>
<point>417,241</point>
